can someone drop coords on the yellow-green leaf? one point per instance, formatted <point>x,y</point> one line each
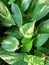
<point>27,44</point>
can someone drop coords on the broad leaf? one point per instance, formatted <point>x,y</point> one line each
<point>10,43</point>
<point>40,10</point>
<point>40,39</point>
<point>13,58</point>
<point>21,59</point>
<point>16,14</point>
<point>6,18</point>
<point>27,44</point>
<point>27,29</point>
<point>43,27</point>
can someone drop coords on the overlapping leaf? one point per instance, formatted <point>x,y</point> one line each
<point>17,58</point>
<point>34,60</point>
<point>32,11</point>
<point>12,58</point>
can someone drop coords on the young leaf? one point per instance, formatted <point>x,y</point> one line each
<point>5,15</point>
<point>10,1</point>
<point>40,10</point>
<point>27,44</point>
<point>27,29</point>
<point>43,27</point>
<point>10,43</point>
<point>16,14</point>
<point>13,58</point>
<point>40,39</point>
<point>25,5</point>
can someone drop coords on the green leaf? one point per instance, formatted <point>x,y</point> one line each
<point>27,29</point>
<point>4,1</point>
<point>25,5</point>
<point>13,58</point>
<point>21,58</point>
<point>10,1</point>
<point>34,60</point>
<point>27,44</point>
<point>44,50</point>
<point>43,27</point>
<point>46,45</point>
<point>16,14</point>
<point>39,53</point>
<point>40,10</point>
<point>14,31</point>
<point>5,15</point>
<point>40,39</point>
<point>47,61</point>
<point>10,43</point>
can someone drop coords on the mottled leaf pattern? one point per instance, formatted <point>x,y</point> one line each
<point>10,43</point>
<point>12,58</point>
<point>24,32</point>
<point>6,18</point>
<point>41,9</point>
<point>34,60</point>
<point>27,29</point>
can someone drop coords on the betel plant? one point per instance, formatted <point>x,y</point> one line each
<point>24,32</point>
